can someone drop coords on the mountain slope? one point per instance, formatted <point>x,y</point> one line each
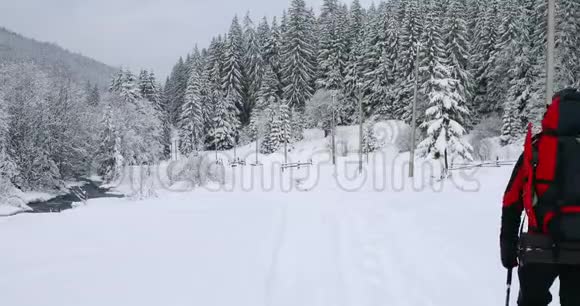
<point>15,48</point>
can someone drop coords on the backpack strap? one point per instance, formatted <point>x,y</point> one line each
<point>530,164</point>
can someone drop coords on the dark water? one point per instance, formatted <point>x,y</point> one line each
<point>91,190</point>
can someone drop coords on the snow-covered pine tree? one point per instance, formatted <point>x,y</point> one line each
<point>311,30</point>
<point>142,82</point>
<point>523,98</point>
<point>410,31</point>
<point>149,89</point>
<point>356,22</point>
<point>264,34</point>
<point>192,114</point>
<point>269,143</point>
<point>94,97</point>
<point>285,122</point>
<point>297,56</point>
<point>380,82</point>
<point>125,84</point>
<point>297,125</point>
<point>369,57</point>
<point>253,63</point>
<point>234,75</point>
<point>277,127</point>
<point>567,44</point>
<point>270,92</point>
<point>271,89</point>
<point>445,117</point>
<point>92,94</point>
<point>370,142</point>
<point>8,168</point>
<point>499,83</point>
<point>214,72</point>
<point>225,123</point>
<point>353,79</point>
<point>138,123</point>
<point>457,49</point>
<point>108,153</point>
<point>117,81</point>
<point>332,45</point>
<point>273,48</point>
<point>511,128</point>
<point>164,117</point>
<point>484,58</point>
<point>431,54</point>
<point>175,90</point>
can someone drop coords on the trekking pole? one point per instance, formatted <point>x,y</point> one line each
<point>509,286</point>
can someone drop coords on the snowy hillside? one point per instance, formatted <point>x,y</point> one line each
<point>15,48</point>
<point>298,237</point>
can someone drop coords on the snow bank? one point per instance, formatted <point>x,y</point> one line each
<point>142,182</point>
<point>259,247</point>
<point>490,149</point>
<point>13,200</point>
<point>388,133</point>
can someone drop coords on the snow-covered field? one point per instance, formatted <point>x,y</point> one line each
<point>307,237</point>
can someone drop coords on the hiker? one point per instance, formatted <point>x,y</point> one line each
<point>546,185</point>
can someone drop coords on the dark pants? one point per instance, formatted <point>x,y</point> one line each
<point>536,280</point>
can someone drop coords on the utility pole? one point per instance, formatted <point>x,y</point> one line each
<point>257,146</point>
<point>333,129</point>
<point>550,53</point>
<point>414,117</point>
<point>215,144</point>
<point>285,146</point>
<point>235,155</point>
<point>360,129</point>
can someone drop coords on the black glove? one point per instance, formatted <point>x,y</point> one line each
<point>509,254</point>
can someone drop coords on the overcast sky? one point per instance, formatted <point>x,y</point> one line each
<point>134,33</point>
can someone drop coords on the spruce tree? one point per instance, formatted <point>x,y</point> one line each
<point>511,128</point>
<point>93,95</point>
<point>253,63</point>
<point>8,169</point>
<point>277,127</point>
<point>273,49</point>
<point>332,45</point>
<point>445,117</point>
<point>297,56</point>
<point>431,54</point>
<point>233,74</point>
<point>264,34</point>
<point>164,117</point>
<point>410,32</point>
<point>149,88</point>
<point>457,48</point>
<point>108,155</point>
<point>270,92</point>
<point>175,89</point>
<point>369,141</point>
<point>499,82</point>
<point>125,84</point>
<point>485,57</point>
<point>567,44</point>
<point>368,60</point>
<point>382,96</point>
<point>225,123</point>
<point>353,74</point>
<point>192,114</point>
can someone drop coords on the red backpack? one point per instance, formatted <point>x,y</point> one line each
<point>552,163</point>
